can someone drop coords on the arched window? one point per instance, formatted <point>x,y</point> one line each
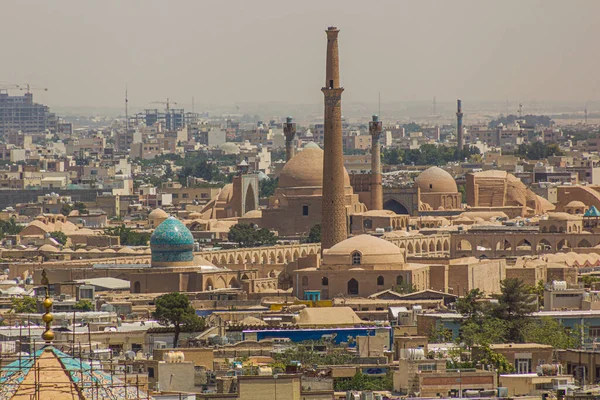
<point>305,281</point>
<point>399,280</point>
<point>380,280</point>
<point>356,258</point>
<point>325,281</point>
<point>137,287</point>
<point>353,287</point>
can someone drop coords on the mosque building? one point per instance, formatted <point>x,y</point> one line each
<point>359,266</point>
<point>296,205</point>
<point>175,268</point>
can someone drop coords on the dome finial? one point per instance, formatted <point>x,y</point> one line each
<point>48,334</point>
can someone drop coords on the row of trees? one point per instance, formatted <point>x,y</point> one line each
<point>246,235</point>
<point>128,236</point>
<point>509,319</point>
<point>506,321</point>
<point>530,119</point>
<point>427,154</point>
<point>539,150</point>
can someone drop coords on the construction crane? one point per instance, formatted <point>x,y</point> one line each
<point>28,88</point>
<point>166,103</point>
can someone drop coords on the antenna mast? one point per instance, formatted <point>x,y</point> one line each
<point>126,110</point>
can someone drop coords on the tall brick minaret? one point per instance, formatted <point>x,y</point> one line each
<point>459,125</point>
<point>289,130</point>
<point>333,219</point>
<point>376,190</point>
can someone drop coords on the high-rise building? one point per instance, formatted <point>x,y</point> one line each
<point>20,113</point>
<point>334,226</point>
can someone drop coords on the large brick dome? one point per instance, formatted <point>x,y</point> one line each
<point>305,169</point>
<point>436,180</point>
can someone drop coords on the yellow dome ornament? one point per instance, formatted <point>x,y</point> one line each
<point>48,334</point>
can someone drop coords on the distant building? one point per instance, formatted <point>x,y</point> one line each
<point>20,113</point>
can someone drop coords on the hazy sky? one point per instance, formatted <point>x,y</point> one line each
<point>228,52</point>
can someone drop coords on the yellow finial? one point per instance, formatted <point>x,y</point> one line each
<point>48,334</point>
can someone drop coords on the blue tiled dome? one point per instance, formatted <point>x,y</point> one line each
<point>171,242</point>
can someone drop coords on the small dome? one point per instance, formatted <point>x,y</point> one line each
<point>562,216</point>
<point>311,145</point>
<point>171,243</point>
<point>575,204</point>
<point>436,180</point>
<point>48,248</point>
<point>229,148</point>
<point>194,215</point>
<point>305,169</point>
<point>372,250</point>
<point>158,213</point>
<point>253,214</point>
<point>126,250</point>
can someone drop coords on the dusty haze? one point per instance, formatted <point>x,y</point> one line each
<point>232,52</point>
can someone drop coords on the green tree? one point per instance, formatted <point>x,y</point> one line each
<point>487,356</point>
<point>537,290</point>
<point>128,236</point>
<point>245,235</point>
<point>59,236</point>
<point>514,305</point>
<point>305,353</point>
<point>471,305</point>
<point>404,288</point>
<point>267,187</point>
<point>25,304</point>
<point>9,227</point>
<point>79,206</point>
<point>314,235</point>
<point>484,332</point>
<point>175,309</point>
<point>362,381</point>
<point>539,150</point>
<point>549,331</point>
<point>84,305</point>
<point>440,335</point>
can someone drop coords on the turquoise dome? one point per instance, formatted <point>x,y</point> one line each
<point>171,242</point>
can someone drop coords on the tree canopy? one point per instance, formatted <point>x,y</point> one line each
<point>25,304</point>
<point>84,305</point>
<point>314,235</point>
<point>539,150</point>
<point>427,154</point>
<point>245,235</point>
<point>59,236</point>
<point>9,227</point>
<point>510,320</point>
<point>267,187</point>
<point>530,119</point>
<point>128,236</point>
<point>175,309</point>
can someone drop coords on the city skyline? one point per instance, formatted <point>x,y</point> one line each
<point>266,53</point>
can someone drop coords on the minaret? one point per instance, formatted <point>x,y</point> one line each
<point>289,130</point>
<point>459,125</point>
<point>333,218</point>
<point>376,189</point>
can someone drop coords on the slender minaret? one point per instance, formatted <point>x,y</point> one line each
<point>376,190</point>
<point>333,218</point>
<point>289,130</point>
<point>459,125</point>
